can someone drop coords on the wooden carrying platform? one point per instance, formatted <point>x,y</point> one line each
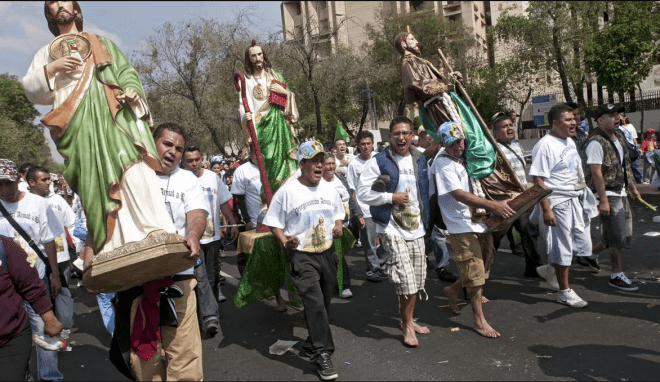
<point>160,255</point>
<point>521,203</point>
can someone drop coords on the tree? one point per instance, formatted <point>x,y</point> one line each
<point>624,51</point>
<point>555,31</point>
<point>326,78</point>
<point>432,32</point>
<point>187,70</point>
<point>20,139</point>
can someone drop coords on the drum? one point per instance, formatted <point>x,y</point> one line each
<point>159,255</point>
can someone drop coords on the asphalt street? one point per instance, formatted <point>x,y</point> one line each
<point>615,338</point>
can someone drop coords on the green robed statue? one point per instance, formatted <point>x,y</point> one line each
<point>272,115</point>
<point>101,125</point>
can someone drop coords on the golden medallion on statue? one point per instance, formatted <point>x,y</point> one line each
<point>260,93</point>
<point>70,44</point>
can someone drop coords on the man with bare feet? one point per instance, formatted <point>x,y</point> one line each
<point>473,246</point>
<point>401,214</point>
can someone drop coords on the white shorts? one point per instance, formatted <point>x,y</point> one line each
<point>564,240</point>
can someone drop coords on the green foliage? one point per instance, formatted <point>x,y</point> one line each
<point>623,53</point>
<point>552,35</point>
<point>488,89</point>
<point>21,140</point>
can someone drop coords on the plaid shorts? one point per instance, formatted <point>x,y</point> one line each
<point>406,263</point>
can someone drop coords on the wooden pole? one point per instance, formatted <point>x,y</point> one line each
<point>484,126</point>
<point>239,83</point>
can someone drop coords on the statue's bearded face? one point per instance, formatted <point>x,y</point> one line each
<point>257,58</point>
<point>412,45</point>
<point>62,11</point>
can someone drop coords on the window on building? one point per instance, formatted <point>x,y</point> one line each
<point>416,5</point>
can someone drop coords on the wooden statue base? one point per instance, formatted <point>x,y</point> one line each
<point>159,255</point>
<point>520,204</point>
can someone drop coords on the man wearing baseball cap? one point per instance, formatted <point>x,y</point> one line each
<point>37,219</point>
<point>472,243</point>
<point>305,215</point>
<point>609,175</point>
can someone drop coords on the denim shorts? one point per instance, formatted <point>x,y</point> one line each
<point>613,227</point>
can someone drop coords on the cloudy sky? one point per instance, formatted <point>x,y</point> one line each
<point>23,29</point>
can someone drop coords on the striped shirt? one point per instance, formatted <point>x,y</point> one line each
<point>518,166</point>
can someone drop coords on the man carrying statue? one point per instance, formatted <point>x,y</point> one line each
<point>101,124</point>
<point>434,92</point>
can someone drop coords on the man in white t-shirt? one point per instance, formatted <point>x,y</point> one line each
<point>39,180</point>
<point>564,217</point>
<point>472,244</point>
<point>609,175</point>
<point>368,233</point>
<point>188,209</point>
<point>343,158</point>
<point>247,187</point>
<point>305,215</point>
<point>400,210</point>
<point>631,136</point>
<point>38,220</point>
<point>207,273</point>
<point>504,132</point>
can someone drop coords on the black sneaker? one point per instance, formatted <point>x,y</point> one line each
<point>445,275</point>
<point>325,368</point>
<point>623,283</point>
<point>593,264</point>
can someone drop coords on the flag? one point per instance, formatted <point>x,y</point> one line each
<point>340,133</point>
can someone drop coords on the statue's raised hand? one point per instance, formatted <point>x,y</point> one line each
<point>63,64</point>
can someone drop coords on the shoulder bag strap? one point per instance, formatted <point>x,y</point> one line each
<point>25,236</point>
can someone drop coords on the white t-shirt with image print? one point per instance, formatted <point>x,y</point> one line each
<point>38,220</point>
<point>66,218</point>
<point>405,220</point>
<point>594,153</point>
<point>216,193</point>
<point>306,212</point>
<point>247,181</point>
<point>558,161</point>
<point>182,193</point>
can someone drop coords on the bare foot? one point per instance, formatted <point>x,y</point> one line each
<point>420,329</point>
<point>486,330</point>
<point>409,337</point>
<point>453,300</point>
<point>484,299</point>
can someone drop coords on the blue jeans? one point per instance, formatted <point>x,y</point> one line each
<point>107,310</point>
<point>634,164</point>
<point>46,359</point>
<point>374,256</point>
<point>439,245</point>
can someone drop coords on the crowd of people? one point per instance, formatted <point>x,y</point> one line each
<point>387,198</point>
<point>402,202</point>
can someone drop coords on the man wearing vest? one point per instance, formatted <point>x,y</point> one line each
<point>401,217</point>
<point>608,173</point>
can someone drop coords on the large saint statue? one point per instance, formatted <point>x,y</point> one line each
<point>273,110</point>
<point>101,125</point>
<point>435,95</point>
